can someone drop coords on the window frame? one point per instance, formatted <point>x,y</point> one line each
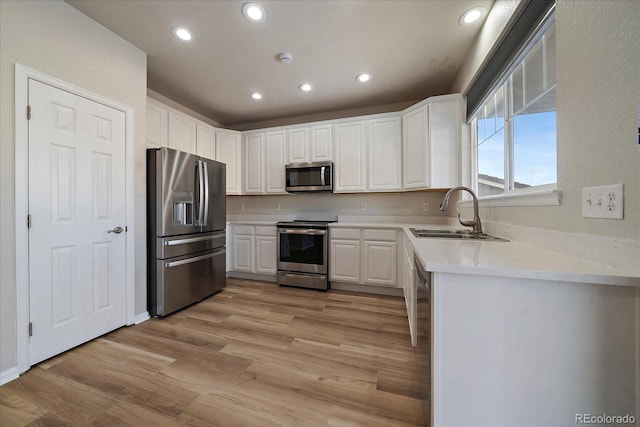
<point>540,195</point>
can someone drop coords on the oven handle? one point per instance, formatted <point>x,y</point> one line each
<point>302,231</point>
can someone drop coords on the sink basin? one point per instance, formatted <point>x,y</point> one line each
<point>454,234</point>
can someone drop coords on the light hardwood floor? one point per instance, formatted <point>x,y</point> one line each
<point>253,355</point>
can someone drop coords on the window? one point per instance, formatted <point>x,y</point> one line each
<point>514,128</point>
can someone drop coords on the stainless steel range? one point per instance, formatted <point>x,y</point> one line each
<point>303,254</point>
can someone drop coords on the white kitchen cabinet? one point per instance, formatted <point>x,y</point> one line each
<point>157,124</point>
<point>344,261</point>
<point>363,256</point>
<point>350,169</point>
<point>182,132</point>
<point>321,143</point>
<point>298,145</point>
<point>431,143</point>
<point>206,141</point>
<point>379,266</point>
<point>252,165</point>
<point>243,253</point>
<point>266,250</point>
<point>385,154</point>
<point>274,163</point>
<point>229,152</point>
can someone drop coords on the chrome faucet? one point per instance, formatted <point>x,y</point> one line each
<point>475,222</point>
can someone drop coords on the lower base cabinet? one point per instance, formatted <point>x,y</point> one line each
<point>254,249</point>
<point>363,256</point>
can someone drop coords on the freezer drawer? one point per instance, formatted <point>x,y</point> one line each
<point>171,247</point>
<point>181,281</point>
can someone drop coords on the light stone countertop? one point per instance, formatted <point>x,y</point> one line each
<point>504,259</point>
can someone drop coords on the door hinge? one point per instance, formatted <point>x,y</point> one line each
<point>29,221</point>
<point>28,112</point>
<point>30,329</point>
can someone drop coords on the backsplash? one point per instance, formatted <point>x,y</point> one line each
<point>368,204</point>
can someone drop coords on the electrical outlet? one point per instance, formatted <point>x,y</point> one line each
<point>606,201</point>
<point>278,206</point>
<point>425,206</point>
<point>363,207</point>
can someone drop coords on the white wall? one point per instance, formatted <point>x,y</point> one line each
<point>598,93</point>
<point>54,38</point>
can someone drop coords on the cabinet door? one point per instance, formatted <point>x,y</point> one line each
<point>229,152</point>
<point>415,148</point>
<point>253,163</point>
<point>243,253</point>
<point>379,263</point>
<point>157,128</point>
<point>298,145</point>
<point>350,166</point>
<point>445,127</point>
<point>344,261</point>
<point>266,254</point>
<point>206,141</point>
<point>275,158</point>
<point>182,132</point>
<point>385,154</point>
<point>321,143</point>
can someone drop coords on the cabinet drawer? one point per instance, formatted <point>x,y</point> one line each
<point>382,235</point>
<point>244,229</point>
<point>345,233</point>
<point>265,230</point>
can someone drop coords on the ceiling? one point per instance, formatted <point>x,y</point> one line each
<point>412,49</point>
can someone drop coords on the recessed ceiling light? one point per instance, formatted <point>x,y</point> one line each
<point>182,33</point>
<point>305,87</point>
<point>472,15</point>
<point>363,77</point>
<point>254,12</point>
<point>256,95</point>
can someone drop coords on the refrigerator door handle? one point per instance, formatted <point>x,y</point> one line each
<point>200,193</point>
<point>194,259</point>
<point>194,239</point>
<point>206,193</point>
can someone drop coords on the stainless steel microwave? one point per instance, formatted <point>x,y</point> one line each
<point>309,177</point>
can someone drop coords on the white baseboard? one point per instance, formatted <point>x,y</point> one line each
<point>142,317</point>
<point>9,375</point>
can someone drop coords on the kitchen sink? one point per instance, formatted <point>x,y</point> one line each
<point>454,234</point>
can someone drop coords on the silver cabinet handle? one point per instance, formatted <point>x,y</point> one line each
<point>195,259</point>
<point>116,230</point>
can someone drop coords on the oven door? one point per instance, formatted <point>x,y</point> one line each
<point>302,250</point>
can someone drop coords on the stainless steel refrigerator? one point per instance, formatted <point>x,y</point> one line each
<point>186,221</point>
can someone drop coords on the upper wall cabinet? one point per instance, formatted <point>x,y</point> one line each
<point>310,144</point>
<point>167,127</point>
<point>368,155</point>
<point>431,143</point>
<point>157,124</point>
<point>274,161</point>
<point>252,162</point>
<point>182,132</point>
<point>265,154</point>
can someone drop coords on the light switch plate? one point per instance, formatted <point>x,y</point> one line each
<point>606,201</point>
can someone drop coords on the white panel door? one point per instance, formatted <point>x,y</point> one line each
<point>229,152</point>
<point>76,195</point>
<point>156,125</point>
<point>415,148</point>
<point>206,141</point>
<point>385,154</point>
<point>266,254</point>
<point>350,157</point>
<point>344,261</point>
<point>298,145</point>
<point>321,143</point>
<point>182,132</point>
<point>275,158</point>
<point>380,263</point>
<point>252,152</point>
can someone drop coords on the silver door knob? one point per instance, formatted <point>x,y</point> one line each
<point>116,230</point>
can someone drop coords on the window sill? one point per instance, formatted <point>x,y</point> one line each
<point>549,196</point>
